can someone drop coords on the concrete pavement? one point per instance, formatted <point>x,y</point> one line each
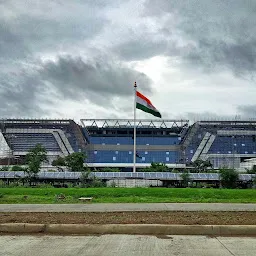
<point>126,245</point>
<point>108,207</point>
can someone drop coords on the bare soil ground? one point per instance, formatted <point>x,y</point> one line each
<point>185,218</point>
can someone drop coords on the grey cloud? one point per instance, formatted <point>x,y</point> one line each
<point>207,116</point>
<point>142,48</point>
<point>46,26</point>
<point>96,80</point>
<point>31,30</point>
<point>26,92</point>
<point>247,110</point>
<point>20,94</point>
<point>238,57</point>
<point>219,34</point>
<point>11,45</point>
<point>212,35</point>
<point>243,112</point>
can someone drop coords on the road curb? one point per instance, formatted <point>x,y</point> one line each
<point>132,229</point>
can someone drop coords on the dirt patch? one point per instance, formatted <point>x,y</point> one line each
<point>185,218</point>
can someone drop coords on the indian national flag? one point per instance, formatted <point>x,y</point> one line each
<point>144,104</point>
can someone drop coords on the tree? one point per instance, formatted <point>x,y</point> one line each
<point>229,178</point>
<point>35,157</point>
<point>75,161</point>
<point>201,165</point>
<point>59,162</point>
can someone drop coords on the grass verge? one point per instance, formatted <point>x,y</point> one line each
<point>127,195</point>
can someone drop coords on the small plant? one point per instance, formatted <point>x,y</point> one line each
<point>60,197</point>
<point>25,197</point>
<point>113,184</point>
<point>1,195</point>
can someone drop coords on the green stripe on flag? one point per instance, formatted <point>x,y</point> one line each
<point>148,110</point>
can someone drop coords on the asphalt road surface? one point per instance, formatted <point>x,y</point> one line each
<point>126,245</point>
<point>107,207</point>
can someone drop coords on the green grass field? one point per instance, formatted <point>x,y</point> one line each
<point>127,195</point>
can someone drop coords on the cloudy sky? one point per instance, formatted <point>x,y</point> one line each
<point>77,59</point>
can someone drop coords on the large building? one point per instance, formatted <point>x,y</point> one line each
<point>109,143</point>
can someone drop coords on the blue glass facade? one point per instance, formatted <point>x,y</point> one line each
<point>106,156</point>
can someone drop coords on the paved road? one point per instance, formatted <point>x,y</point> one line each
<point>125,207</point>
<point>126,245</point>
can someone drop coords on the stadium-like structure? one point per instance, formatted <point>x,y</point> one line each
<point>109,142</point>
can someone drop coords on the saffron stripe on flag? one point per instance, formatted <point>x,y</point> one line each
<point>144,98</point>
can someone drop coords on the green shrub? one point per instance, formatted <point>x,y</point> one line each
<point>4,169</point>
<point>108,169</point>
<point>156,167</point>
<point>2,184</point>
<point>229,178</point>
<point>93,183</point>
<point>17,168</point>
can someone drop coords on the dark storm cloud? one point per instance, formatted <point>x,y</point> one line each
<point>207,34</point>
<point>94,80</point>
<point>240,57</point>
<point>20,95</point>
<point>45,26</point>
<point>67,78</point>
<point>29,30</point>
<point>220,33</point>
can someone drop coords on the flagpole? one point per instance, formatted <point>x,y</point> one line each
<point>134,129</point>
